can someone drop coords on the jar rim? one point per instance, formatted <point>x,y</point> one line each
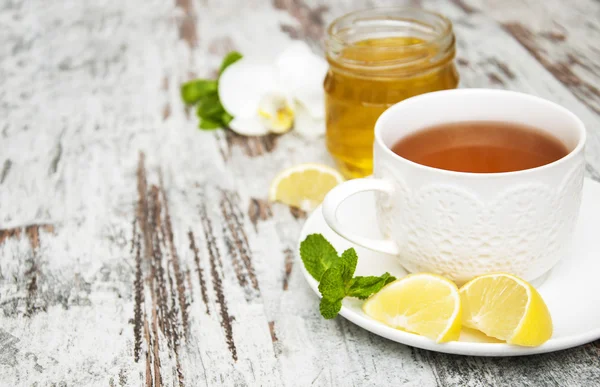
<point>433,45</point>
<point>383,13</point>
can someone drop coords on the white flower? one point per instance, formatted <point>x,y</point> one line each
<point>276,112</point>
<point>274,97</point>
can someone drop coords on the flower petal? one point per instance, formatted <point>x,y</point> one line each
<point>302,72</point>
<point>315,104</point>
<point>242,85</point>
<point>276,112</point>
<point>306,125</point>
<point>248,126</point>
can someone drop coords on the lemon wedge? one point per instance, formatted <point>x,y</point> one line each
<point>507,308</point>
<point>426,304</point>
<point>304,185</point>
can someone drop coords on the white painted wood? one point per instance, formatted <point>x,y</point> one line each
<point>84,88</point>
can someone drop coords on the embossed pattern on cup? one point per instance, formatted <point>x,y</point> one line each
<point>453,231</point>
<point>461,225</point>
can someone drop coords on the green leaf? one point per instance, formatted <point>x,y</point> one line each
<point>208,124</point>
<point>317,254</point>
<point>335,274</point>
<point>332,283</point>
<point>226,118</point>
<point>329,309</point>
<point>229,59</point>
<point>193,91</point>
<point>349,260</point>
<point>210,107</point>
<point>363,287</point>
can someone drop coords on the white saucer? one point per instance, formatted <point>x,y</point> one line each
<point>571,290</point>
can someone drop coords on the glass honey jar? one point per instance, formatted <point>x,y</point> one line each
<point>376,58</point>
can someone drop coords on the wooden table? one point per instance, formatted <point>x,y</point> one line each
<point>137,250</point>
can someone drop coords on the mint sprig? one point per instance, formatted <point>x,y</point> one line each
<point>336,274</point>
<point>317,255</point>
<point>204,93</point>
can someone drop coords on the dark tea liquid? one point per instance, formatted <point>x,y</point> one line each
<point>481,147</point>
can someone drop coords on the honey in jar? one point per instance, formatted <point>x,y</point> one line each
<point>377,58</point>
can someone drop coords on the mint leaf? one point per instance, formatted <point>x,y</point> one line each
<point>335,274</point>
<point>229,59</point>
<point>334,281</point>
<point>349,259</point>
<point>208,124</point>
<point>329,309</point>
<point>332,286</point>
<point>363,287</point>
<point>317,254</point>
<point>193,91</point>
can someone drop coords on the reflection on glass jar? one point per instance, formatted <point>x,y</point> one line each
<point>377,58</point>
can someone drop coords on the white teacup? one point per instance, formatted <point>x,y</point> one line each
<point>461,225</point>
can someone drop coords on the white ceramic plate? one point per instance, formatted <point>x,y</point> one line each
<point>571,290</point>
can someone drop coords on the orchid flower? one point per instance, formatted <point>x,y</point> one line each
<point>274,97</point>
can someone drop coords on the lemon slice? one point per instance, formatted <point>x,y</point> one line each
<point>304,185</point>
<point>507,308</point>
<point>426,304</point>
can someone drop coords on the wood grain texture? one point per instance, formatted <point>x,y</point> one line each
<point>546,30</point>
<point>136,250</point>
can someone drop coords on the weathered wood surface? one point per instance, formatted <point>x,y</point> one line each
<point>136,250</point>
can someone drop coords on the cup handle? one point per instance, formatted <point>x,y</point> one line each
<point>337,195</point>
